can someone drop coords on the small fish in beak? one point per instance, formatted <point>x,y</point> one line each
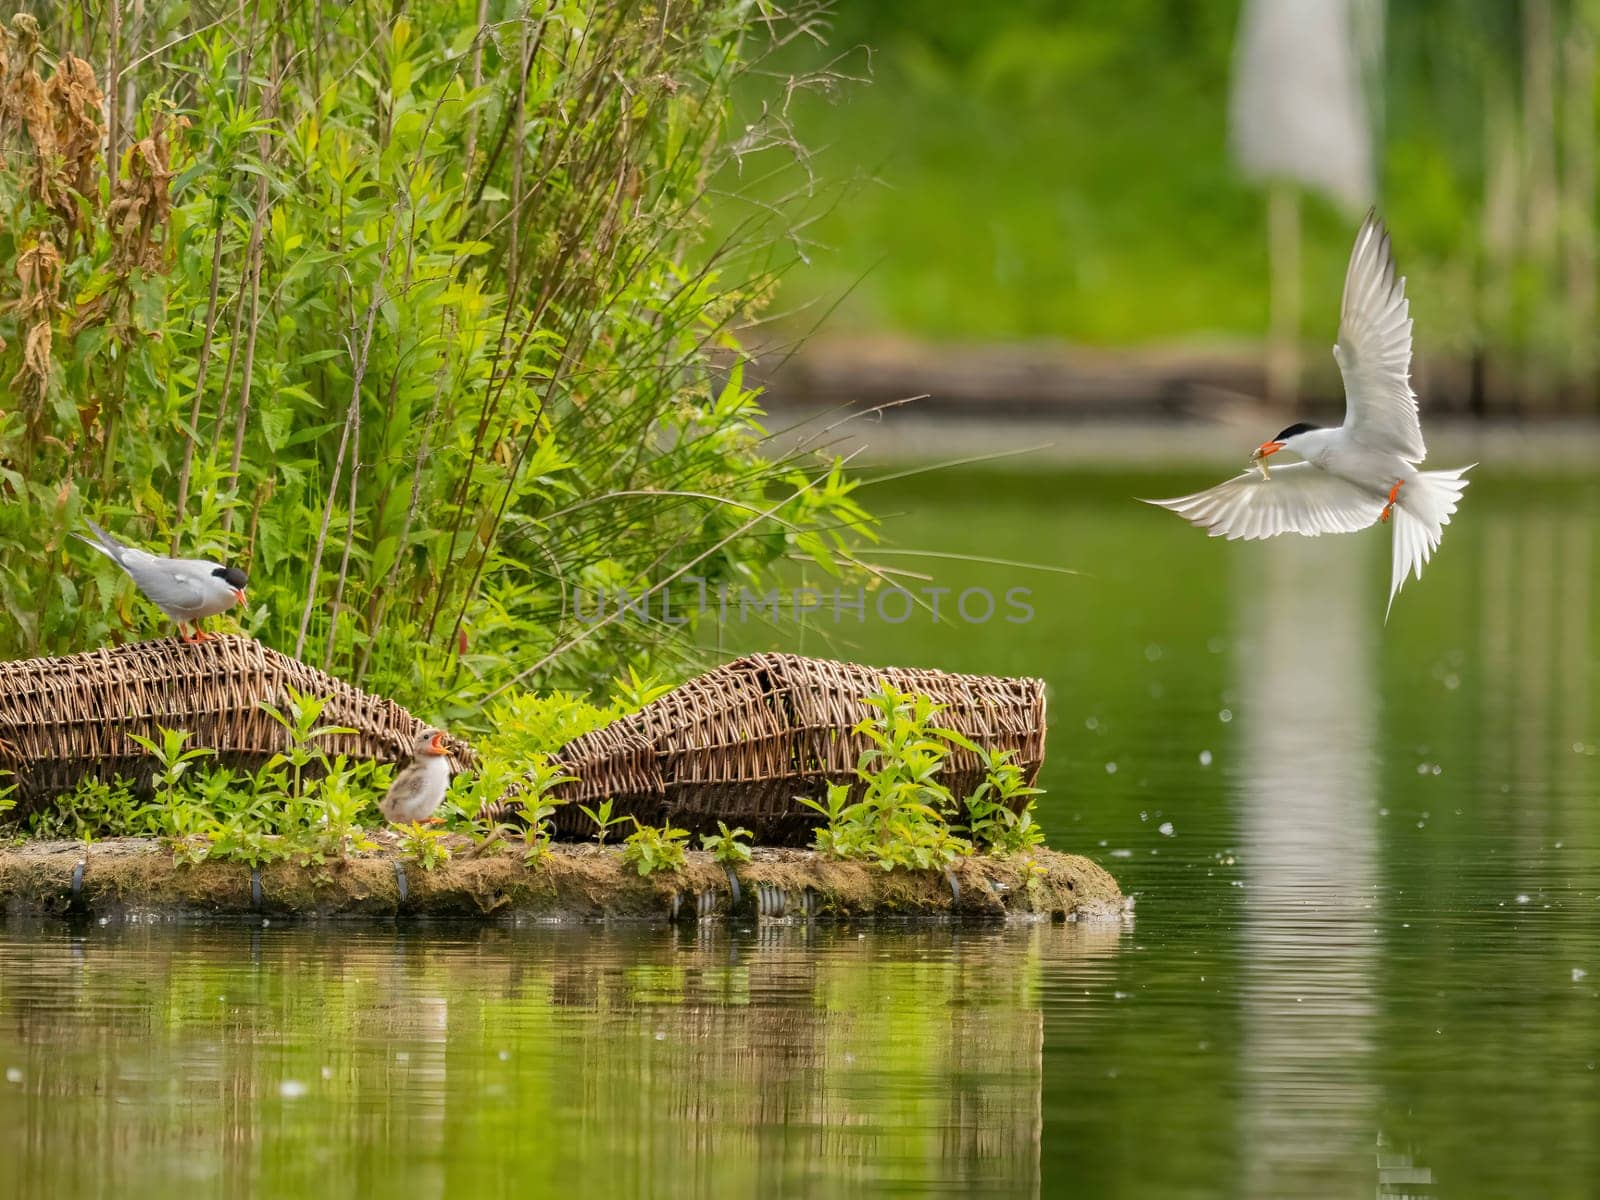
<point>1261,453</point>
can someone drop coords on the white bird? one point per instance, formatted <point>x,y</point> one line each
<point>1364,471</point>
<point>418,790</point>
<point>186,589</point>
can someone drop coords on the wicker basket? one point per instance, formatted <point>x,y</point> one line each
<point>742,742</point>
<point>66,719</point>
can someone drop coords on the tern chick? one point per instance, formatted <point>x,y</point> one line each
<point>419,789</point>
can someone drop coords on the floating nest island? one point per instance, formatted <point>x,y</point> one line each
<point>736,744</point>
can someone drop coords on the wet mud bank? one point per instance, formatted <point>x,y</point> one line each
<point>136,878</point>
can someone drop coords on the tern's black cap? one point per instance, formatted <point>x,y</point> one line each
<point>1297,427</point>
<point>232,576</point>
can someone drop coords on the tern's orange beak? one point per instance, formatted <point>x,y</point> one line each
<point>1266,450</point>
<point>238,594</point>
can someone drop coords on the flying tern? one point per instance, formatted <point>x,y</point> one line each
<point>1365,471</point>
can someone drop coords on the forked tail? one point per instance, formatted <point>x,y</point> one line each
<point>103,542</point>
<point>1420,515</point>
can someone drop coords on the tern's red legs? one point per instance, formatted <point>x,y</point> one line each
<point>1388,509</point>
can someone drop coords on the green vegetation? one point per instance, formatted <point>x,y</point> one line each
<point>302,805</point>
<point>604,822</point>
<point>906,816</point>
<point>649,848</point>
<point>424,845</point>
<point>416,318</point>
<point>1033,169</point>
<point>725,846</point>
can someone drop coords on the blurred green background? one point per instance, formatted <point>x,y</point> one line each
<point>1064,171</point>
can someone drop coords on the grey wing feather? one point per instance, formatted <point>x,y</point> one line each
<point>1374,349</point>
<point>1299,498</point>
<point>168,586</point>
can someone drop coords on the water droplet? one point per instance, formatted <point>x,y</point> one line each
<point>505,1056</point>
<point>1165,829</point>
<point>1091,724</point>
<point>1578,974</point>
<point>1522,897</point>
<point>402,1056</point>
<point>1205,758</point>
<point>1152,653</point>
<point>1225,715</point>
<point>327,1072</point>
<point>1111,768</point>
<point>1122,854</point>
<point>13,1074</point>
<point>291,1089</point>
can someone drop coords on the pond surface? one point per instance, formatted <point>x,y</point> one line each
<point>1365,958</point>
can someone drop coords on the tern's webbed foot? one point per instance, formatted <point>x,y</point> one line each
<point>1388,509</point>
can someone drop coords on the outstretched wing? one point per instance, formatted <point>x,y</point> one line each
<point>1298,498</point>
<point>1374,349</point>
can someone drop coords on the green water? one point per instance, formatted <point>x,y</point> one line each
<point>1365,958</point>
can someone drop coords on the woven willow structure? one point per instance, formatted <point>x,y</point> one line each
<point>741,742</point>
<point>66,719</point>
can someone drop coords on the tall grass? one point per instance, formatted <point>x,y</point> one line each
<point>407,308</point>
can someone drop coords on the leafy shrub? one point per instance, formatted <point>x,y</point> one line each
<point>415,319</point>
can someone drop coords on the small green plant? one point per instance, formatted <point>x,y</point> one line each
<point>424,844</point>
<point>900,819</point>
<point>527,723</point>
<point>725,846</point>
<point>538,803</point>
<point>8,798</point>
<point>649,849</point>
<point>904,814</point>
<point>604,822</point>
<point>304,732</point>
<point>183,821</point>
<point>631,692</point>
<point>993,818</point>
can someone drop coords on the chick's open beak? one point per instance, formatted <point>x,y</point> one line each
<point>1265,450</point>
<point>437,744</point>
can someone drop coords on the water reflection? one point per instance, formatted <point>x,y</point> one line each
<point>785,1061</point>
<point>1308,711</point>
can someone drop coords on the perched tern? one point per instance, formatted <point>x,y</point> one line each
<point>187,589</point>
<point>1363,472</point>
<point>418,790</point>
